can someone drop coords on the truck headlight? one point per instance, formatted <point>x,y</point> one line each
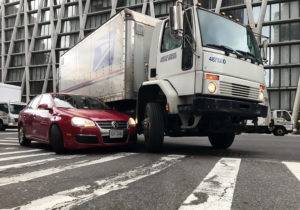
<point>131,122</point>
<point>212,87</point>
<point>261,95</point>
<point>82,122</point>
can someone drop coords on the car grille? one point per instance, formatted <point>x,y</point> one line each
<point>236,90</point>
<point>109,124</point>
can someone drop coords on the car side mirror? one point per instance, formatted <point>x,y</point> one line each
<point>44,107</point>
<point>265,51</point>
<point>176,19</point>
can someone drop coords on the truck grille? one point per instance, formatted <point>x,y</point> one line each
<point>236,90</point>
<point>112,124</point>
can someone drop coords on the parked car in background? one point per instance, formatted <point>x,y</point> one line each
<point>10,106</point>
<point>73,122</point>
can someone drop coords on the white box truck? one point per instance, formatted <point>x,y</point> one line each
<point>10,105</point>
<point>196,73</point>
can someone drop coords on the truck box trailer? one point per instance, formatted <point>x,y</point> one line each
<point>196,73</point>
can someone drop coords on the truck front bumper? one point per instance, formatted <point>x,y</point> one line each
<point>210,105</point>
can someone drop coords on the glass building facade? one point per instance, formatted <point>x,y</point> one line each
<point>34,33</point>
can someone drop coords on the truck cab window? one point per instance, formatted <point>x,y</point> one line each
<point>169,42</point>
<point>4,108</point>
<point>187,51</point>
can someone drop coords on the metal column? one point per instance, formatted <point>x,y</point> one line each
<point>2,40</point>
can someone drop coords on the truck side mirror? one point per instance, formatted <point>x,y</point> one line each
<point>176,19</point>
<point>265,51</point>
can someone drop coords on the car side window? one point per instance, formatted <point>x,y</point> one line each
<point>169,42</point>
<point>34,103</point>
<point>46,99</point>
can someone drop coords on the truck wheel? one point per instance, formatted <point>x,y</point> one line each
<point>56,140</point>
<point>2,126</point>
<point>279,131</point>
<point>23,141</point>
<point>153,127</point>
<point>221,140</point>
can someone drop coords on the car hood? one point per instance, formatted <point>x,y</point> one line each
<point>97,115</point>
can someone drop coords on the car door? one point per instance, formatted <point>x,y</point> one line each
<point>43,118</point>
<point>28,115</point>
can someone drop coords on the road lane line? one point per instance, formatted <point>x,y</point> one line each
<point>54,170</point>
<point>37,162</point>
<point>76,196</point>
<point>294,167</point>
<point>20,151</point>
<point>24,156</point>
<point>217,188</point>
<point>9,144</point>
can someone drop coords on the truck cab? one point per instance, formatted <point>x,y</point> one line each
<point>205,77</point>
<point>281,122</point>
<point>9,114</point>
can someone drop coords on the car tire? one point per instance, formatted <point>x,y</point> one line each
<point>153,125</point>
<point>2,126</point>
<point>221,140</point>
<point>56,140</point>
<point>23,141</point>
<point>279,131</point>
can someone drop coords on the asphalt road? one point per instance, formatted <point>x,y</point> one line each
<point>257,172</point>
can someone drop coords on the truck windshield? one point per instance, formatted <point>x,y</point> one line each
<point>16,108</point>
<point>79,102</point>
<point>221,33</point>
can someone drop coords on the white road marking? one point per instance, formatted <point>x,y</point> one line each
<point>54,170</point>
<point>76,196</point>
<point>37,162</point>
<point>25,156</point>
<point>9,141</point>
<point>11,138</point>
<point>294,167</point>
<point>217,188</point>
<point>9,144</point>
<point>20,151</point>
<point>8,148</point>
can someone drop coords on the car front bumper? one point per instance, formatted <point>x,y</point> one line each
<point>233,107</point>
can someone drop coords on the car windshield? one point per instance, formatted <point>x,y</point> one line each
<point>219,32</point>
<point>15,108</point>
<point>79,102</point>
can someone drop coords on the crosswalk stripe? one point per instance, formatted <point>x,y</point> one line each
<point>9,141</point>
<point>18,152</point>
<point>24,156</point>
<point>49,171</point>
<point>9,144</point>
<point>217,188</point>
<point>76,196</point>
<point>294,167</point>
<point>37,162</point>
<point>10,138</point>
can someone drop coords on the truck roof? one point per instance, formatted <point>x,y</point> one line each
<point>126,13</point>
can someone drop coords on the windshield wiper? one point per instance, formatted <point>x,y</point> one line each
<point>226,49</point>
<point>250,56</point>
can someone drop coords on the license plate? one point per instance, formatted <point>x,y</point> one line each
<point>114,134</point>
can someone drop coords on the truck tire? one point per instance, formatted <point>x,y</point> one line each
<point>2,126</point>
<point>153,127</point>
<point>56,140</point>
<point>279,131</point>
<point>221,140</point>
<point>23,141</point>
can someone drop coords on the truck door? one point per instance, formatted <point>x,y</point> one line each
<point>175,57</point>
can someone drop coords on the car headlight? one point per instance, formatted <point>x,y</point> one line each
<point>82,122</point>
<point>131,122</point>
<point>212,87</point>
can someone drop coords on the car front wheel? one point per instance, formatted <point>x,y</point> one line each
<point>23,141</point>
<point>56,140</point>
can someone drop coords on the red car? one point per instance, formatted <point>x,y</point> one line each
<point>73,122</point>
